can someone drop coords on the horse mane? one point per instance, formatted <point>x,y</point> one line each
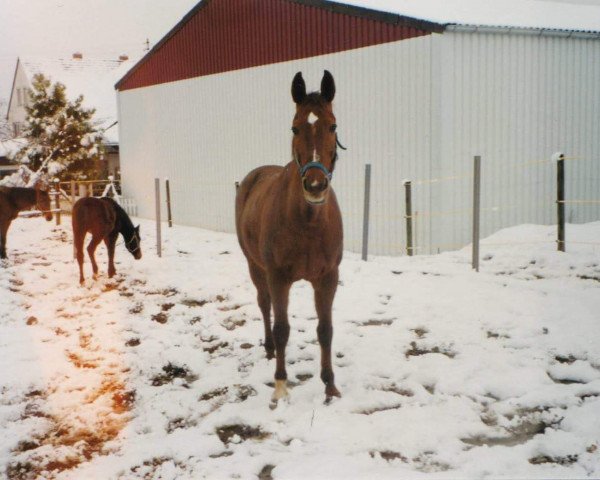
<point>121,215</point>
<point>314,99</point>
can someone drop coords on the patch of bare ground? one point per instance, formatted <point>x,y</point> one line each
<point>376,322</point>
<point>266,472</point>
<point>240,393</point>
<point>240,433</point>
<point>416,351</point>
<point>388,455</point>
<point>231,323</point>
<point>566,460</point>
<point>171,372</point>
<point>148,469</point>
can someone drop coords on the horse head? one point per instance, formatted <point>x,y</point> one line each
<point>42,203</point>
<point>133,244</point>
<point>314,142</point>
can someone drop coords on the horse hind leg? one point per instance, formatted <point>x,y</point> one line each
<point>259,279</point>
<point>91,249</point>
<point>3,232</point>
<point>110,242</point>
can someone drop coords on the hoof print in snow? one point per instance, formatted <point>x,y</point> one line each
<point>240,433</point>
<point>149,468</point>
<point>233,323</point>
<point>393,388</point>
<point>160,317</point>
<point>379,322</point>
<point>565,380</point>
<point>420,332</point>
<point>371,411</point>
<point>219,392</point>
<point>225,252</point>
<point>303,377</point>
<point>416,351</point>
<point>26,445</point>
<point>32,321</point>
<point>133,342</point>
<point>165,307</point>
<point>229,308</point>
<point>425,462</point>
<point>224,453</point>
<point>191,302</point>
<point>568,359</point>
<point>388,455</point>
<point>217,346</point>
<point>246,346</point>
<point>180,423</point>
<point>566,460</point>
<point>172,372</point>
<point>137,308</point>
<point>265,473</point>
<point>490,334</point>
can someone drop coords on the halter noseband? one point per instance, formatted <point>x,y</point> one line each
<point>319,165</point>
<point>128,242</point>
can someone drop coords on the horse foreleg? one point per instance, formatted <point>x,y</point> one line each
<point>91,249</point>
<point>325,289</point>
<point>279,289</point>
<point>3,231</point>
<point>110,242</point>
<point>259,279</point>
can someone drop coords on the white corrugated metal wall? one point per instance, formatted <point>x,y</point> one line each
<point>515,99</point>
<point>416,109</point>
<point>206,133</point>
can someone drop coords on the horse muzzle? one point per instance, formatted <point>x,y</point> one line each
<point>315,191</point>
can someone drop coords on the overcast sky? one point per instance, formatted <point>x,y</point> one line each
<point>98,28</point>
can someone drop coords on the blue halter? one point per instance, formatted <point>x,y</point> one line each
<point>317,165</point>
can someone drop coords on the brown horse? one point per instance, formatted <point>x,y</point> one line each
<point>16,199</point>
<point>104,219</point>
<point>289,227</point>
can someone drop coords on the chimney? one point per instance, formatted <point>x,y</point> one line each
<point>123,58</point>
<point>77,56</point>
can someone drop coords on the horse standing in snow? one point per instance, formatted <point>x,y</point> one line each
<point>16,199</point>
<point>104,219</point>
<point>289,227</point>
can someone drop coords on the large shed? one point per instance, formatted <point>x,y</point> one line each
<point>422,87</point>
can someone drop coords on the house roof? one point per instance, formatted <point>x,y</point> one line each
<point>527,14</point>
<point>92,78</point>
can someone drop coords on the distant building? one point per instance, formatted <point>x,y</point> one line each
<point>7,150</point>
<point>90,77</point>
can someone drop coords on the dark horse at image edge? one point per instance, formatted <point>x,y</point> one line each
<point>104,219</point>
<point>16,199</point>
<point>289,227</point>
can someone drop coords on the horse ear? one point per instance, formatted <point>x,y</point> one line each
<point>327,86</point>
<point>298,88</point>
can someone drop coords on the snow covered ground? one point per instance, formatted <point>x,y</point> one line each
<point>160,372</point>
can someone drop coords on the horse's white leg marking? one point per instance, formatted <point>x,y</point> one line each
<point>281,390</point>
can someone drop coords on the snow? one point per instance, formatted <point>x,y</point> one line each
<point>159,372</point>
<point>539,14</point>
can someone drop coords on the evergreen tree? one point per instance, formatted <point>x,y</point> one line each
<point>61,137</point>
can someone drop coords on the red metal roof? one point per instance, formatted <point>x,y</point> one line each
<point>223,35</point>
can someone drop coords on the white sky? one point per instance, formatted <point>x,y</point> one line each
<point>102,28</point>
<point>99,28</point>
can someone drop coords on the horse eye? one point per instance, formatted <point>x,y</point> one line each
<point>295,130</point>
<point>333,127</point>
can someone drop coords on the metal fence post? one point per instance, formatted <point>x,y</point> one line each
<point>169,218</point>
<point>409,218</point>
<point>157,198</point>
<point>365,239</point>
<point>560,199</point>
<point>476,207</point>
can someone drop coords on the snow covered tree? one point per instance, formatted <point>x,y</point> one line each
<point>61,137</point>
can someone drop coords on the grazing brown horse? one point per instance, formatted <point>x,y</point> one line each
<point>104,219</point>
<point>16,199</point>
<point>289,227</point>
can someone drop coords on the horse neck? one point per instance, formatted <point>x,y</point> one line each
<point>23,198</point>
<point>126,227</point>
<point>297,207</point>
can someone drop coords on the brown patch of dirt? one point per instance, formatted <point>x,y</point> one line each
<point>190,302</point>
<point>160,317</point>
<point>541,459</point>
<point>137,308</point>
<point>80,362</point>
<point>171,372</point>
<point>416,351</point>
<point>389,455</point>
<point>32,321</point>
<point>180,423</point>
<point>213,348</point>
<point>165,307</point>
<point>133,342</point>
<point>265,472</point>
<point>229,433</point>
<point>228,308</point>
<point>420,332</point>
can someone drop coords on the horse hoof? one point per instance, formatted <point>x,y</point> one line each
<point>281,391</point>
<point>330,393</point>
